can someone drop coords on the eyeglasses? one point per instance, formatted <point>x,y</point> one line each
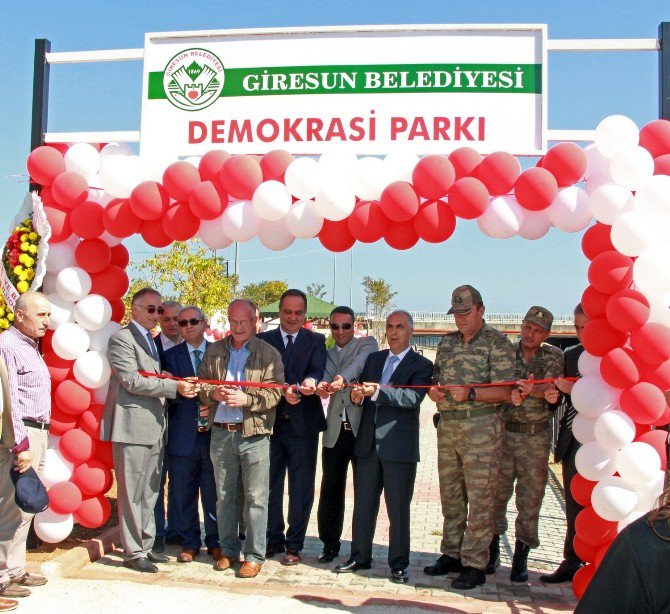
<point>152,308</point>
<point>345,326</point>
<point>192,322</point>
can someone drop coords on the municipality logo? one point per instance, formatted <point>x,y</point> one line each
<point>193,79</point>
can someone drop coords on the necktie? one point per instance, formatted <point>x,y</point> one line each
<point>152,347</point>
<point>289,343</point>
<point>386,375</point>
<point>196,360</point>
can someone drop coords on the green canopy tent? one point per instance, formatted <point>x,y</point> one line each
<point>316,308</point>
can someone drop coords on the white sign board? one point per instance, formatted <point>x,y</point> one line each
<point>429,89</point>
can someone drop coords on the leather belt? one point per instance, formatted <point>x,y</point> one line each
<point>527,428</point>
<point>346,425</point>
<point>229,426</point>
<point>464,414</point>
<point>43,426</point>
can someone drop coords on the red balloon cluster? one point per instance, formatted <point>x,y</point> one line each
<point>655,138</point>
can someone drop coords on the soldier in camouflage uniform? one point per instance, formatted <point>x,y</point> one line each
<point>469,436</point>
<point>525,454</point>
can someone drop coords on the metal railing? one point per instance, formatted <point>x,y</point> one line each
<point>491,318</point>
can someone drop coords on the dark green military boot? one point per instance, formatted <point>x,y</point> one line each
<point>494,555</point>
<point>519,571</point>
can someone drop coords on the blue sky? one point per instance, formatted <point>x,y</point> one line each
<point>511,274</point>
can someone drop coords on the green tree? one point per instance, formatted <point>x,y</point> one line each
<point>316,289</point>
<point>378,301</point>
<point>264,292</point>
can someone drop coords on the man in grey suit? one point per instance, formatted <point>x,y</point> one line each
<point>344,364</point>
<point>134,421</point>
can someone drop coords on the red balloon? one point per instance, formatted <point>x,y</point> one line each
<point>465,161</point>
<point>118,310</point>
<point>89,421</point>
<point>594,303</point>
<point>179,223</point>
<point>61,147</point>
<point>664,420</point>
<point>498,172</point>
<point>112,282</point>
<point>179,179</point>
<point>468,198</point>
<point>643,402</point>
<point>103,453</point>
<point>566,162</point>
<point>93,255</point>
<point>240,176</point>
<point>581,579</point>
<point>119,219</point>
<point>399,201</point>
<point>593,529</point>
<point>46,197</point>
<point>46,341</point>
<point>652,343</point>
<point>585,552</point>
<point>72,397</point>
<point>59,368</point>
<point>274,164</point>
<point>535,189</point>
<point>659,441</point>
<point>641,429</point>
<point>120,256</point>
<point>599,337</point>
<point>93,512</point>
<point>335,236</point>
<point>627,310</point>
<point>59,220</point>
<point>153,234</point>
<point>401,235</point>
<point>620,368</point>
<point>662,165</point>
<point>655,137</point>
<point>207,201</point>
<point>433,176</point>
<point>91,477</point>
<point>149,200</point>
<point>210,164</point>
<point>435,222</point>
<point>69,189</point>
<point>581,490</point>
<point>658,374</point>
<point>596,240</point>
<point>610,272</point>
<point>86,220</point>
<point>600,555</point>
<point>367,222</point>
<point>45,164</point>
<point>77,446</point>
<point>61,422</point>
<point>64,498</point>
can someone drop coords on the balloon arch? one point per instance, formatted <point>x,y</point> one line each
<point>94,196</point>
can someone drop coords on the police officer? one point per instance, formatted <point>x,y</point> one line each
<point>469,436</point>
<point>525,454</point>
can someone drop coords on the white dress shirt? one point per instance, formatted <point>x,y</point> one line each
<point>400,357</point>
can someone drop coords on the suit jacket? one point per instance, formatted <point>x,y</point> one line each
<point>182,412</point>
<point>347,362</point>
<point>135,408</point>
<point>396,432</point>
<point>306,359</point>
<point>565,436</point>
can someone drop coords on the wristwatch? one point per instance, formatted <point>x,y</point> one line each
<point>472,395</point>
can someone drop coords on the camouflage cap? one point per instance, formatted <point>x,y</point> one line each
<point>540,316</point>
<point>463,298</point>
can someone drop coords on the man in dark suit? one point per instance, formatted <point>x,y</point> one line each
<point>387,445</point>
<point>565,452</point>
<point>295,439</point>
<point>191,470</point>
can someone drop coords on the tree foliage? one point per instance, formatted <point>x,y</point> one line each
<point>316,289</point>
<point>378,298</point>
<point>264,292</point>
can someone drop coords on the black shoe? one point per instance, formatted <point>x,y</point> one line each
<point>159,545</point>
<point>143,564</point>
<point>351,566</point>
<point>273,549</point>
<point>444,565</point>
<point>399,576</point>
<point>519,571</point>
<point>565,572</point>
<point>494,555</point>
<point>327,555</point>
<point>157,557</point>
<point>469,579</point>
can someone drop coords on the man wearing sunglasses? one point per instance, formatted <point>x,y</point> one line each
<point>134,421</point>
<point>344,364</point>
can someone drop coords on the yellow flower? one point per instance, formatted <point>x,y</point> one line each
<point>22,260</point>
<point>10,316</point>
<point>25,246</point>
<point>30,274</point>
<point>28,222</point>
<point>18,269</point>
<point>24,237</point>
<point>4,324</point>
<point>33,249</point>
<point>22,287</point>
<point>29,261</point>
<point>23,276</point>
<point>33,235</point>
<point>2,312</point>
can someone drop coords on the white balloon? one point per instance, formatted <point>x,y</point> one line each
<point>92,369</point>
<point>51,527</point>
<point>659,308</point>
<point>56,468</point>
<point>271,200</point>
<point>303,178</point>
<point>583,428</point>
<point>633,232</point>
<point>60,256</point>
<point>502,218</point>
<point>100,394</point>
<point>651,272</point>
<point>304,220</point>
<point>631,166</point>
<point>119,174</point>
<point>110,239</point>
<point>275,235</point>
<point>614,429</point>
<point>73,283</point>
<point>632,517</point>
<point>595,161</point>
<point>638,463</point>
<point>649,492</point>
<point>594,462</point>
<point>93,312</point>
<point>600,178</point>
<point>592,397</point>
<point>370,177</point>
<point>70,341</point>
<point>49,283</point>
<point>240,222</point>
<point>338,165</point>
<point>653,196</point>
<point>588,364</point>
<point>335,201</point>
<point>570,210</point>
<point>100,338</point>
<point>400,165</point>
<point>62,311</point>
<point>535,225</point>
<point>614,133</point>
<point>613,498</point>
<point>212,235</point>
<point>609,201</point>
<point>115,149</point>
<point>84,159</point>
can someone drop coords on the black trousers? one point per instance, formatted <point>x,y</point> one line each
<point>572,508</point>
<point>397,481</point>
<point>335,465</point>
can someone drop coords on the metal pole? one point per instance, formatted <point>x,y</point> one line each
<point>664,71</point>
<point>40,95</point>
<point>334,275</point>
<point>237,267</point>
<point>351,277</point>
